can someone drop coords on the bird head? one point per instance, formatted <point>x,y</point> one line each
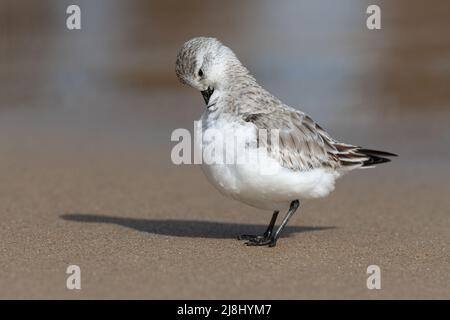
<point>203,63</point>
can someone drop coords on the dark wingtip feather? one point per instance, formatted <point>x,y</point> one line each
<point>375,160</point>
<point>377,153</point>
<point>375,157</point>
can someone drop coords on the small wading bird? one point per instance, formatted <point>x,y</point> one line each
<point>308,159</point>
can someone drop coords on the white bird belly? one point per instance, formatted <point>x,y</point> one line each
<point>272,192</point>
<point>259,180</point>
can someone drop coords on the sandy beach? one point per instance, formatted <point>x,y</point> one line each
<point>140,227</point>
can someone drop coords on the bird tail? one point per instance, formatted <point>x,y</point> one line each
<point>374,157</point>
<point>352,157</point>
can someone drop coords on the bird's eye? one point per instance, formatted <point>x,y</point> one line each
<point>200,73</point>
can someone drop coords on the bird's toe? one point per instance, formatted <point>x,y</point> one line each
<point>260,241</point>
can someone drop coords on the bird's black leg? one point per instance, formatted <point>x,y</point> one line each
<point>267,234</point>
<point>294,206</point>
<point>271,240</point>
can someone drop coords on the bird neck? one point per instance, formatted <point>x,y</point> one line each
<point>236,76</point>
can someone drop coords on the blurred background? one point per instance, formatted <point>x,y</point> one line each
<point>86,118</point>
<point>114,79</point>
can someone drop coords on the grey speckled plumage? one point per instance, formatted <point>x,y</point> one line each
<point>303,144</point>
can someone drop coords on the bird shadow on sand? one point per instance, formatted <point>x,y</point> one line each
<point>185,228</point>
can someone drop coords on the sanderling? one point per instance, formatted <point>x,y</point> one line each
<point>308,158</point>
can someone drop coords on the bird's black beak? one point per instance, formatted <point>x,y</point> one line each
<point>207,94</point>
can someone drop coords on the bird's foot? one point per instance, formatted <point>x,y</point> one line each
<point>254,240</point>
<point>248,236</point>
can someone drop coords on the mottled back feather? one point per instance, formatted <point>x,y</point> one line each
<point>305,145</point>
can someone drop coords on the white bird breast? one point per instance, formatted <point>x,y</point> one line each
<point>234,164</point>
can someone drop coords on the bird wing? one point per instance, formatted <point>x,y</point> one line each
<point>304,145</point>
